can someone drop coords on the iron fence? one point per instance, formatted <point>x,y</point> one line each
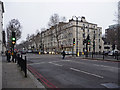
<point>22,63</point>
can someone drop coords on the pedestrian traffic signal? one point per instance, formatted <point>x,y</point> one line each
<point>73,41</point>
<point>88,40</point>
<point>13,38</point>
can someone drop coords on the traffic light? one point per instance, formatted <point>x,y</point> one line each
<point>13,38</point>
<point>73,41</point>
<point>88,42</point>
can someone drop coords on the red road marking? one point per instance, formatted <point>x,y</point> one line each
<point>44,80</point>
<point>39,77</point>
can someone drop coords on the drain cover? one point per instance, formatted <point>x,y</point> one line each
<point>110,85</point>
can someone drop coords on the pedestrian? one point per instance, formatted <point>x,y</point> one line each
<point>9,56</point>
<point>63,53</point>
<point>13,57</point>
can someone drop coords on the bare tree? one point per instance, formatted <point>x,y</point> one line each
<point>53,22</point>
<point>118,37</point>
<point>118,27</point>
<point>35,40</point>
<point>13,25</point>
<point>111,36</point>
<point>37,31</point>
<point>28,37</point>
<point>43,29</point>
<point>63,19</point>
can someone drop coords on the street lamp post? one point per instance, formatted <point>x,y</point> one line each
<point>77,53</point>
<point>94,41</point>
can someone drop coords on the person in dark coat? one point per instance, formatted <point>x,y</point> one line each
<point>9,56</point>
<point>63,53</point>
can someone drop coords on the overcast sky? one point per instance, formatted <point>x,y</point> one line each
<point>35,14</point>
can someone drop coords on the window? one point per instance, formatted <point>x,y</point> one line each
<point>88,30</point>
<point>99,35</point>
<point>99,40</point>
<point>83,35</point>
<point>88,26</point>
<point>83,27</point>
<point>69,41</point>
<point>83,49</point>
<point>83,30</point>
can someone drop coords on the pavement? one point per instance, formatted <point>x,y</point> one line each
<point>0,72</point>
<point>13,77</point>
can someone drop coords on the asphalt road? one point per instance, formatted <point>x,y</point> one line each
<point>75,72</point>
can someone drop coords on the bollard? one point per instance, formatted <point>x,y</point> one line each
<point>92,54</point>
<point>86,54</point>
<point>18,56</point>
<point>25,67</point>
<point>103,55</point>
<point>117,55</point>
<point>21,62</point>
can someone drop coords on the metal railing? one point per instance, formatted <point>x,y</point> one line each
<point>101,56</point>
<point>22,63</point>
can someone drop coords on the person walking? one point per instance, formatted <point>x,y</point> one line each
<point>63,53</point>
<point>12,56</point>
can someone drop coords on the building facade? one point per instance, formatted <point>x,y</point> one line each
<point>111,37</point>
<point>1,24</point>
<point>119,12</point>
<point>60,37</point>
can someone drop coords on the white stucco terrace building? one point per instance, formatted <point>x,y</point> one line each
<point>1,24</point>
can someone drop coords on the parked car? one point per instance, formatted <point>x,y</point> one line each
<point>111,53</point>
<point>45,52</point>
<point>106,52</point>
<point>69,52</point>
<point>29,51</point>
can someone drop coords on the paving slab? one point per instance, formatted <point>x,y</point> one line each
<point>0,72</point>
<point>13,77</point>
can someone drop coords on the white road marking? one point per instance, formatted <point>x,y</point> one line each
<point>36,63</point>
<point>87,73</point>
<point>61,60</point>
<point>106,66</point>
<point>55,64</point>
<point>95,65</point>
